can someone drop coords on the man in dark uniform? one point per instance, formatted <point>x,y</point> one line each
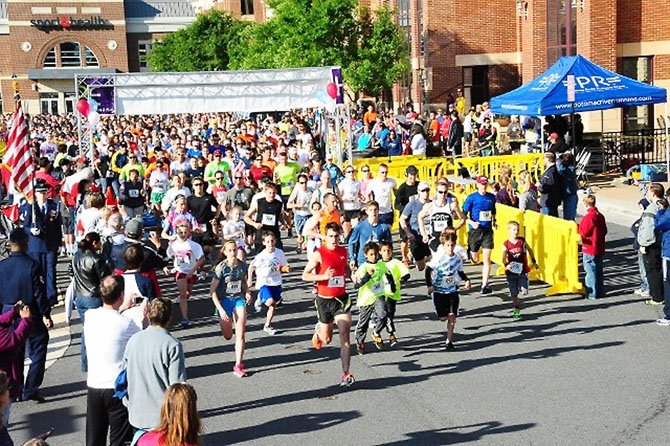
<point>23,280</point>
<point>43,223</point>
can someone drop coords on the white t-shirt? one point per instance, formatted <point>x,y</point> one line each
<point>48,150</point>
<point>159,181</point>
<point>106,334</point>
<point>350,190</point>
<point>267,266</point>
<point>186,254</point>
<point>383,193</point>
<point>171,194</point>
<point>230,228</point>
<point>418,144</point>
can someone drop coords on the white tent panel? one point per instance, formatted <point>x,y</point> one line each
<point>226,91</point>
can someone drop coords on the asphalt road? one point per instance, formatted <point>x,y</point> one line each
<point>570,371</point>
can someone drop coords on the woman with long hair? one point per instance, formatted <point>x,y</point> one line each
<point>180,424</point>
<point>528,197</point>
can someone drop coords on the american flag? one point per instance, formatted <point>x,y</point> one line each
<point>18,157</point>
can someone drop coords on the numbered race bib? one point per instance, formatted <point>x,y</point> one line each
<point>377,288</point>
<point>269,219</point>
<point>134,193</point>
<point>484,215</point>
<point>439,226</point>
<point>234,287</point>
<point>515,267</point>
<point>336,282</point>
<point>448,281</point>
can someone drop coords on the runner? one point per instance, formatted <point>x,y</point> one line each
<point>269,216</point>
<point>230,294</point>
<point>439,215</point>
<point>480,207</point>
<point>409,223</point>
<point>328,268</point>
<point>298,203</point>
<point>285,176</point>
<point>369,230</point>
<point>381,190</point>
<point>406,191</point>
<point>352,198</point>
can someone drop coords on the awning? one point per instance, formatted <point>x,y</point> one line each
<point>66,73</point>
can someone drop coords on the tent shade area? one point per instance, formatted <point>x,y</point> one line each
<point>595,88</point>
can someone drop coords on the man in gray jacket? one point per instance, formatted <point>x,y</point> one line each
<point>154,360</point>
<point>650,245</point>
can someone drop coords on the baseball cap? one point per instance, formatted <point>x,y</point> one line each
<point>134,227</point>
<point>481,179</point>
<point>423,186</point>
<point>554,135</point>
<point>411,170</point>
<point>18,235</point>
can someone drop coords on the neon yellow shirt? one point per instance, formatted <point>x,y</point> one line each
<point>376,287</point>
<point>287,175</point>
<point>398,271</point>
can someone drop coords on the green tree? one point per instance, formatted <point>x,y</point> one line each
<point>202,46</point>
<point>302,33</point>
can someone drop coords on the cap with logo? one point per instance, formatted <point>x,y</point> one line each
<point>482,180</point>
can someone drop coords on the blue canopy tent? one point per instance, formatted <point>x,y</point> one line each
<point>595,88</point>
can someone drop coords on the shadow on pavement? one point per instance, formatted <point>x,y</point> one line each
<point>461,434</point>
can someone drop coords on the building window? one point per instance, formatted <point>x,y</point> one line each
<point>641,69</point>
<point>476,84</point>
<point>49,103</point>
<point>144,48</point>
<point>247,7</point>
<point>70,55</point>
<point>70,99</point>
<point>403,13</point>
<point>561,29</point>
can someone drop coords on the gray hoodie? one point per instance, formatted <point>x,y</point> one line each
<point>646,235</point>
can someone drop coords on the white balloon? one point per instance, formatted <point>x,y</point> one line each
<point>93,118</point>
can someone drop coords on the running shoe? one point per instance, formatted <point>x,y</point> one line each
<point>269,329</point>
<point>393,341</point>
<point>258,306</point>
<point>654,302</point>
<point>185,323</point>
<point>516,314</point>
<point>450,346</point>
<point>360,348</point>
<point>663,322</point>
<point>239,371</point>
<point>317,343</point>
<point>347,379</point>
<point>486,290</point>
<point>641,292</point>
<point>379,342</point>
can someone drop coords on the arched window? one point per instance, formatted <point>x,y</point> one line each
<point>70,55</point>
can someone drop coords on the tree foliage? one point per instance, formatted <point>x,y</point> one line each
<point>370,47</point>
<point>202,46</point>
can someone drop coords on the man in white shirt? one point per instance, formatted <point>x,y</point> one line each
<point>381,190</point>
<point>107,332</point>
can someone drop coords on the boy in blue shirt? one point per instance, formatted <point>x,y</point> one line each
<point>369,230</point>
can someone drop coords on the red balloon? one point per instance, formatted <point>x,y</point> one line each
<point>331,89</point>
<point>83,107</point>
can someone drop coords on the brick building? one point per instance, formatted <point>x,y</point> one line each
<point>43,43</point>
<point>490,48</point>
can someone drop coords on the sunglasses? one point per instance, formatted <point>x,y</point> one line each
<point>425,190</point>
<point>238,178</point>
<point>219,178</point>
<point>365,170</point>
<point>197,184</point>
<point>349,171</point>
<point>442,192</point>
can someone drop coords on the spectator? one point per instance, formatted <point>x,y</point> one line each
<point>557,145</point>
<point>487,138</point>
<point>650,245</point>
<point>455,136</point>
<point>644,285</point>
<point>154,360</point>
<point>179,423</point>
<point>566,168</point>
<point>551,186</point>
<point>13,336</point>
<point>528,197</point>
<point>107,333</point>
<point>593,229</point>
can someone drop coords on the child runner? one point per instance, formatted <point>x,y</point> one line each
<point>515,259</point>
<point>188,259</point>
<point>443,275</point>
<point>233,229</point>
<point>372,278</point>
<point>400,274</point>
<point>268,266</point>
<point>230,293</point>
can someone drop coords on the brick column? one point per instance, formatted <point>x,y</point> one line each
<point>534,40</point>
<point>596,32</point>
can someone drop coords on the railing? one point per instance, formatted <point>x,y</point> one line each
<point>622,149</point>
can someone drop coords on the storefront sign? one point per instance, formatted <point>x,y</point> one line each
<point>66,23</point>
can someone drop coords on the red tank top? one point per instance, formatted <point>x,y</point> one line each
<point>336,259</point>
<point>517,253</point>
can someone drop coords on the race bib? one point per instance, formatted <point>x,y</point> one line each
<point>515,267</point>
<point>439,226</point>
<point>484,215</point>
<point>336,282</point>
<point>448,280</point>
<point>234,287</point>
<point>133,193</point>
<point>269,219</point>
<point>220,196</point>
<point>377,288</point>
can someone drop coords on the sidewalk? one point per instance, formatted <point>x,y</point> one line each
<point>616,201</point>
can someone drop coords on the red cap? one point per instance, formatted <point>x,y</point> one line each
<point>482,180</point>
<point>554,135</point>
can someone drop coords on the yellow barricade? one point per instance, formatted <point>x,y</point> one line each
<point>556,246</point>
<point>490,166</point>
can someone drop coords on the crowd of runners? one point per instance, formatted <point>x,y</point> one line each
<point>214,198</point>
